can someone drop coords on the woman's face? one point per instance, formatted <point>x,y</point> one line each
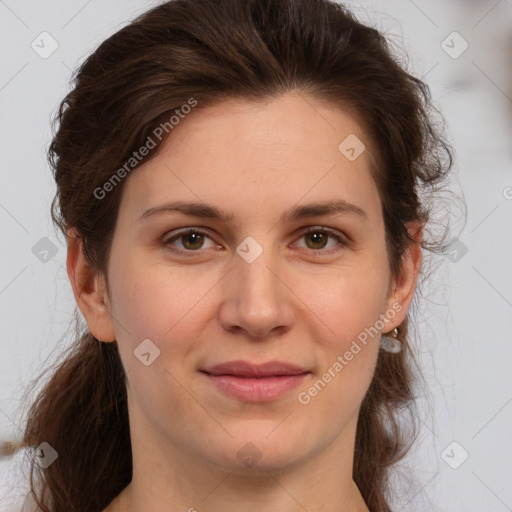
<point>253,286</point>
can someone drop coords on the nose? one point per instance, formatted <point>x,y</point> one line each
<point>257,301</point>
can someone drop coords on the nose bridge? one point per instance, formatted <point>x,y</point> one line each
<point>256,274</point>
<point>256,301</point>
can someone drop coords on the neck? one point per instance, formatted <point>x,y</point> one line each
<point>171,477</point>
<point>185,487</point>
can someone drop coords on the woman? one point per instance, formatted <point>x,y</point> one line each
<point>243,187</point>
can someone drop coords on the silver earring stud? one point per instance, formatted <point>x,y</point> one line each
<point>390,342</point>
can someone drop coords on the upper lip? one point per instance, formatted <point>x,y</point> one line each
<point>246,369</point>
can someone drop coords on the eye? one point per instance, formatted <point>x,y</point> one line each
<point>191,239</point>
<point>319,237</point>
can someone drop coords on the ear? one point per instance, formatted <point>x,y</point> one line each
<point>89,289</point>
<point>404,286</point>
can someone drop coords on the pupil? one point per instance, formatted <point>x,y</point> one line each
<point>193,238</point>
<point>317,237</point>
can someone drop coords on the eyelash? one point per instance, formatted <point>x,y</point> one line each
<point>331,233</point>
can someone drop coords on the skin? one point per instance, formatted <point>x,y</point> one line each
<point>256,160</point>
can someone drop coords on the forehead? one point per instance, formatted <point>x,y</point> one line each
<point>253,156</point>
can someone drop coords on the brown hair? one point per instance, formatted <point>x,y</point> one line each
<point>211,50</point>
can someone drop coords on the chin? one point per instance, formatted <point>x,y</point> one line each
<point>259,449</point>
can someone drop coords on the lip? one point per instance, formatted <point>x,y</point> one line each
<point>247,369</point>
<point>256,382</point>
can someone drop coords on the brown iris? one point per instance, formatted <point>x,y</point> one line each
<point>196,240</point>
<point>321,238</point>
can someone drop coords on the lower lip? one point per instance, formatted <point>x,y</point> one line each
<point>262,389</point>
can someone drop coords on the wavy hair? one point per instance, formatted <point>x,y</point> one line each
<point>212,50</point>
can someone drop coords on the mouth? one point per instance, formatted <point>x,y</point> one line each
<point>256,382</point>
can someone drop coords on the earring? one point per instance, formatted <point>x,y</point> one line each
<point>391,343</point>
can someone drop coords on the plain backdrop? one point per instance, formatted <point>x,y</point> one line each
<point>462,458</point>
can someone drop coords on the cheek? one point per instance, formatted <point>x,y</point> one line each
<point>347,312</point>
<point>162,304</point>
<point>348,301</point>
<point>346,354</point>
<point>152,299</point>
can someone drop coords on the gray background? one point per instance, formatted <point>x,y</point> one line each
<point>464,312</point>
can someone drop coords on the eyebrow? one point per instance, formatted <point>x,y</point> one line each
<point>204,210</point>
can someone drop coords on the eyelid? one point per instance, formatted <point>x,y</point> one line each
<point>177,233</point>
<point>324,229</point>
<point>342,239</point>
